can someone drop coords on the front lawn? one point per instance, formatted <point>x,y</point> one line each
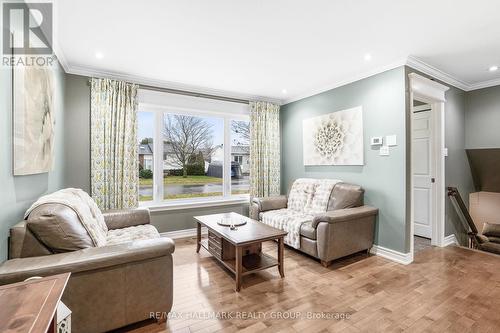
<point>189,180</point>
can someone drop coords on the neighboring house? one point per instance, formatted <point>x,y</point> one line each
<point>146,156</point>
<point>239,154</point>
<point>171,163</point>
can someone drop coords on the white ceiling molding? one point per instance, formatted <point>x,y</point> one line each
<point>56,45</point>
<point>411,61</point>
<point>60,56</point>
<point>425,68</point>
<point>91,72</point>
<point>485,84</point>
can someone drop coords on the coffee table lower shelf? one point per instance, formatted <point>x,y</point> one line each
<point>251,263</point>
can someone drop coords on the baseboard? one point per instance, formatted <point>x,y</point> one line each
<point>184,233</point>
<point>399,257</point>
<point>450,240</point>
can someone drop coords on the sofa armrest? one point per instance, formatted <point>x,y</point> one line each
<point>342,215</point>
<point>88,259</point>
<point>271,203</point>
<point>119,219</point>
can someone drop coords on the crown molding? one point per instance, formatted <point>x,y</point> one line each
<point>425,68</point>
<point>60,57</point>
<point>485,84</point>
<point>410,61</point>
<point>92,72</point>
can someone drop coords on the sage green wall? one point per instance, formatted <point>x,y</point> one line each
<point>77,174</point>
<point>180,219</point>
<point>482,119</point>
<point>382,97</point>
<point>77,132</point>
<point>19,192</point>
<point>457,169</point>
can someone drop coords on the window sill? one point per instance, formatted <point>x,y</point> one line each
<point>188,204</point>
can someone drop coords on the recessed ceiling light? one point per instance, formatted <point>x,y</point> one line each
<point>368,57</point>
<point>284,91</point>
<point>99,55</point>
<point>493,68</point>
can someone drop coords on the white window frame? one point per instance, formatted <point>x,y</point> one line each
<point>158,203</point>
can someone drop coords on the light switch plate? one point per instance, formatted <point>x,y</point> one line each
<point>390,140</point>
<point>384,151</point>
<point>445,152</point>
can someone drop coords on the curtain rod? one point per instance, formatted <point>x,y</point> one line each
<point>192,94</point>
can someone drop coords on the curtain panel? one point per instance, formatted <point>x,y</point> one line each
<point>264,149</point>
<point>113,144</point>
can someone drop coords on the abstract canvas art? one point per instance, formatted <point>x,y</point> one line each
<point>33,120</point>
<point>334,139</point>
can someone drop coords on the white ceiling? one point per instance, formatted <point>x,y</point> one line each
<point>260,47</point>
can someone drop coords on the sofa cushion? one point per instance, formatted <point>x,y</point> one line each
<point>58,228</point>
<point>287,220</point>
<point>307,230</point>
<point>491,230</point>
<point>346,195</point>
<point>138,232</point>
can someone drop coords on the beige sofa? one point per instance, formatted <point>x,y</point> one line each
<point>110,286</point>
<point>328,218</point>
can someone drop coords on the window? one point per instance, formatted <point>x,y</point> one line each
<point>240,153</point>
<point>193,150</point>
<point>192,156</point>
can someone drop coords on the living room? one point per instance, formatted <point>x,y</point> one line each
<point>249,166</point>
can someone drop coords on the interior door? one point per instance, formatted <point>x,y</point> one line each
<point>422,171</point>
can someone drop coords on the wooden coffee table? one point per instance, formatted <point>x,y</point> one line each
<point>240,250</point>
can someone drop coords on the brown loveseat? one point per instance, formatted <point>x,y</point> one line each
<point>338,226</point>
<point>110,285</point>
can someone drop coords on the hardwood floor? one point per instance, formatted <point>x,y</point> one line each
<point>421,243</point>
<point>445,290</point>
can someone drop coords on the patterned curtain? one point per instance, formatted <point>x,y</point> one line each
<point>264,149</point>
<point>113,144</point>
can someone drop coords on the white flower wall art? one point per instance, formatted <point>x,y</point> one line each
<point>334,139</point>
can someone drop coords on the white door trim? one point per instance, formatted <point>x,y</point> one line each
<point>433,93</point>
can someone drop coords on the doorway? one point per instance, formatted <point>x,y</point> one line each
<point>422,159</point>
<point>427,173</point>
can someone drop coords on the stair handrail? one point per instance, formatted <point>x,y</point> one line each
<point>464,217</point>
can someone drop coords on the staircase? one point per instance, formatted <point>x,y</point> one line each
<point>465,229</point>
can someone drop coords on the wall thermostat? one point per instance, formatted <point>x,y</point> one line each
<point>376,140</point>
